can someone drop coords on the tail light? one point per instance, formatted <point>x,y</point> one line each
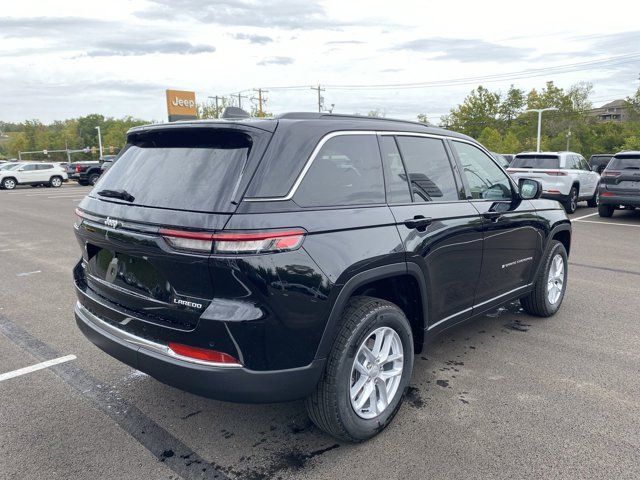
<point>554,173</point>
<point>78,169</point>
<point>202,354</point>
<point>235,242</point>
<point>606,194</point>
<point>610,174</point>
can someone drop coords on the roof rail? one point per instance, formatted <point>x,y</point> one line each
<point>314,115</point>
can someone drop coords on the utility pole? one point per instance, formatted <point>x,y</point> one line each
<point>568,139</point>
<point>217,108</point>
<point>261,100</point>
<point>320,99</point>
<point>99,141</point>
<point>240,97</point>
<point>540,110</point>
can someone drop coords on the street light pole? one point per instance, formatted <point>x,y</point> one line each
<point>99,141</point>
<point>540,110</point>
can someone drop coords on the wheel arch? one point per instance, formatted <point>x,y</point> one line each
<point>397,283</point>
<point>561,232</point>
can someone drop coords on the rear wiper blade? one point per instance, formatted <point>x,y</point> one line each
<point>121,194</point>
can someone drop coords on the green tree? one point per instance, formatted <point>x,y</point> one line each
<point>490,138</point>
<point>478,110</point>
<point>510,143</point>
<point>632,143</point>
<point>512,105</point>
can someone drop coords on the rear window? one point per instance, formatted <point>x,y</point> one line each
<point>196,169</point>
<point>622,163</point>
<point>536,161</point>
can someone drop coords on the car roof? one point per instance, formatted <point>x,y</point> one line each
<point>549,153</point>
<point>338,122</point>
<point>629,153</point>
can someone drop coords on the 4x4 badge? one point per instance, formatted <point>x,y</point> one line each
<point>111,222</point>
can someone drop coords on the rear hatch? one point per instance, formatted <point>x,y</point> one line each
<point>622,175</point>
<point>542,167</point>
<point>167,178</point>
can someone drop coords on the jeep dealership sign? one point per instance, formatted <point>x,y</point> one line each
<point>181,105</point>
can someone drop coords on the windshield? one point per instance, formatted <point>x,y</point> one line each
<point>622,163</point>
<point>9,166</point>
<point>536,161</point>
<point>181,169</point>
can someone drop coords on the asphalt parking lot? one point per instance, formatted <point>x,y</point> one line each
<point>505,396</point>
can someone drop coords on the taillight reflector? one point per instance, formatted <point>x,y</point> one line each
<point>235,242</point>
<point>202,354</point>
<point>606,194</point>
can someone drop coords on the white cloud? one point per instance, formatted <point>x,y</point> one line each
<point>79,57</point>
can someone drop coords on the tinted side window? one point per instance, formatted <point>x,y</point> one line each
<point>45,166</point>
<point>430,173</point>
<point>395,177</point>
<point>486,180</point>
<point>346,171</point>
<point>29,168</point>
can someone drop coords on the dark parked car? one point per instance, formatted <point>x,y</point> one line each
<point>620,183</point>
<point>501,159</point>
<point>107,162</point>
<point>306,256</point>
<point>599,162</point>
<point>84,172</point>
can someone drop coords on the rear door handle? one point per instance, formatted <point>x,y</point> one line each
<point>418,222</point>
<point>493,216</point>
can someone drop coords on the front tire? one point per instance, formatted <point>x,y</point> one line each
<point>55,182</point>
<point>8,184</point>
<point>367,372</point>
<point>550,285</point>
<point>571,204</point>
<point>605,210</point>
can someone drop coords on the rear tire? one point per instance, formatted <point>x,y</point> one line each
<point>93,178</point>
<point>338,405</point>
<point>571,203</point>
<point>606,211</point>
<point>550,285</point>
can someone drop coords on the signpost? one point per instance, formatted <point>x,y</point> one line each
<point>181,105</point>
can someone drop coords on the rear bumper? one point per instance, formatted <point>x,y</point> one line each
<point>630,200</point>
<point>227,383</point>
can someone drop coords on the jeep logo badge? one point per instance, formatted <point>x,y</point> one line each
<point>111,222</point>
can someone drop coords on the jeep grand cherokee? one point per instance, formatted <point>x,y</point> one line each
<point>307,256</point>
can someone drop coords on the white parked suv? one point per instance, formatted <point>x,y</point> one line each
<point>33,173</point>
<point>565,176</point>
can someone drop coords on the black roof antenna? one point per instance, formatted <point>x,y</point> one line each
<point>234,113</point>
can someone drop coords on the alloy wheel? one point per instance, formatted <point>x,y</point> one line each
<point>376,372</point>
<point>555,280</point>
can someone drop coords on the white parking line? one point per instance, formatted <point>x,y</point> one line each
<point>36,367</point>
<point>608,223</point>
<point>584,216</point>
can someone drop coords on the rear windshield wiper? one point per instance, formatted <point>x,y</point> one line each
<point>121,194</point>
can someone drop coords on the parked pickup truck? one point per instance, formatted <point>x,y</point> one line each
<point>85,173</point>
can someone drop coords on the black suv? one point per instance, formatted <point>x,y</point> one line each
<point>599,161</point>
<point>620,184</point>
<point>306,256</point>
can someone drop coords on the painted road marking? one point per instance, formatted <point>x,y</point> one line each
<point>26,274</point>
<point>36,367</point>
<point>584,216</point>
<point>608,223</point>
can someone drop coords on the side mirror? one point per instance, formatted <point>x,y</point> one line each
<point>21,169</point>
<point>529,189</point>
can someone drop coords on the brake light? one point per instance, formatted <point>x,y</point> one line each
<point>78,169</point>
<point>606,194</point>
<point>202,354</point>
<point>235,242</point>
